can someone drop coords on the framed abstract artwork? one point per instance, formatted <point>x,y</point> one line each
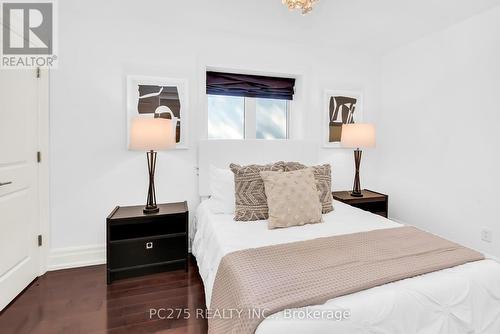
<point>341,107</point>
<point>146,94</point>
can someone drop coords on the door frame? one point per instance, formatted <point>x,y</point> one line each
<point>43,167</point>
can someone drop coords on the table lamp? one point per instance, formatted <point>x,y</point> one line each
<point>151,135</point>
<point>357,136</point>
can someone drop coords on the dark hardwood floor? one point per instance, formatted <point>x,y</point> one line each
<point>79,301</point>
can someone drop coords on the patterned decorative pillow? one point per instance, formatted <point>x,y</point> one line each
<point>292,197</point>
<point>323,176</point>
<point>250,196</point>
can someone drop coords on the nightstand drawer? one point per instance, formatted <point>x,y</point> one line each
<point>147,251</point>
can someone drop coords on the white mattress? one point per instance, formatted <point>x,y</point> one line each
<point>463,299</point>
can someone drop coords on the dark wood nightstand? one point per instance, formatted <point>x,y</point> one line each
<point>140,244</point>
<point>372,201</point>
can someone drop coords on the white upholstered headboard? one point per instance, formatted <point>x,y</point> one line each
<point>220,153</point>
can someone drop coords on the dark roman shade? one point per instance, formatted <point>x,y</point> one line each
<point>232,84</point>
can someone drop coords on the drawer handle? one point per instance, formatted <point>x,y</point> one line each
<point>149,245</point>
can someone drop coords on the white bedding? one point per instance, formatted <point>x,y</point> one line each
<point>463,299</point>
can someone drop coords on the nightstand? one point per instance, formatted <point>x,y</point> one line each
<point>139,244</point>
<point>372,201</point>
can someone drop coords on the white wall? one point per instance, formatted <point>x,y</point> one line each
<point>438,131</point>
<point>103,41</point>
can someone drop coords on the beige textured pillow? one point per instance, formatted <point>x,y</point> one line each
<point>323,176</point>
<point>250,196</point>
<point>292,198</point>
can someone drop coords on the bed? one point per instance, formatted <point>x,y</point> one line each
<point>462,299</point>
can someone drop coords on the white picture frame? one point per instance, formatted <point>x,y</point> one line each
<point>177,92</point>
<point>331,136</point>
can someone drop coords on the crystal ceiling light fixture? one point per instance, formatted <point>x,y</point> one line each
<point>304,5</point>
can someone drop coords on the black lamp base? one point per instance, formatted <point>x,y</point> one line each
<point>356,189</point>
<point>150,210</point>
<point>151,201</point>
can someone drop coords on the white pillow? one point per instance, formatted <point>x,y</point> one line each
<point>221,182</point>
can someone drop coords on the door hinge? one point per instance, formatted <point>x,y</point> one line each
<point>38,72</point>
<point>40,241</point>
<point>38,156</point>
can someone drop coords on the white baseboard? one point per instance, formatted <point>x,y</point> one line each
<point>398,221</point>
<point>72,257</point>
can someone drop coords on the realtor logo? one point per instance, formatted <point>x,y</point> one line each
<point>28,34</point>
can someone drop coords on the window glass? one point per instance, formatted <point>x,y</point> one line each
<point>271,119</point>
<point>226,117</point>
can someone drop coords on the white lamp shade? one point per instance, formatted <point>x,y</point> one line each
<point>154,134</point>
<point>358,135</point>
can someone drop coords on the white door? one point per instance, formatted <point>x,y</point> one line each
<point>19,210</point>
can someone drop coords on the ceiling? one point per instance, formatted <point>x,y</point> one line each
<point>364,25</point>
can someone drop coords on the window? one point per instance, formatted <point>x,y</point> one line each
<point>244,106</point>
<point>271,118</point>
<point>235,117</point>
<point>226,117</point>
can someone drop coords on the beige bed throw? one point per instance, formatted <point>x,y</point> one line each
<point>311,272</point>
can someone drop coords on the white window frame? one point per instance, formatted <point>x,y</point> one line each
<point>250,119</point>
